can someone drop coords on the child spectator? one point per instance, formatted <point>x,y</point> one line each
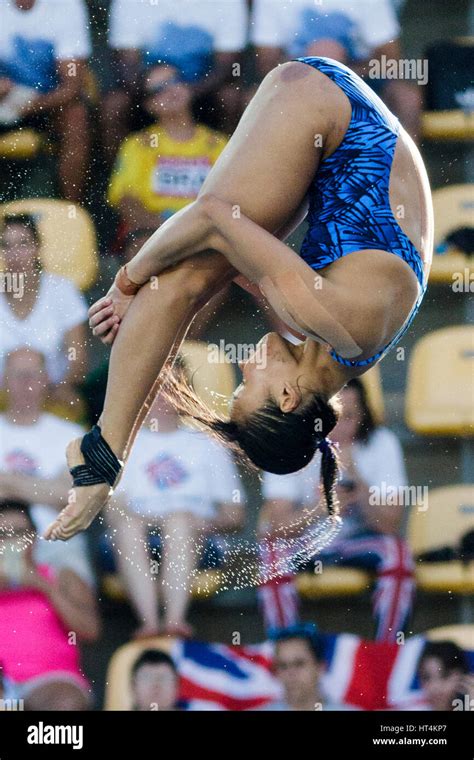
<point>203,40</point>
<point>444,677</point>
<point>27,318</point>
<point>44,47</point>
<point>32,463</point>
<point>370,456</point>
<point>41,614</point>
<point>161,168</point>
<point>155,682</point>
<point>185,484</point>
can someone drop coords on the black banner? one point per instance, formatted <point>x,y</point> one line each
<point>134,735</point>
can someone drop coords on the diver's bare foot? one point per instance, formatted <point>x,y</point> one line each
<point>84,504</point>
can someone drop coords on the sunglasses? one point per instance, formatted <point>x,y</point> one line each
<point>157,89</point>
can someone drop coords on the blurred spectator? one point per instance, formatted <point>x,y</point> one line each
<point>42,614</point>
<point>155,682</point>
<point>161,169</point>
<point>32,462</point>
<point>370,457</point>
<point>299,667</point>
<point>185,484</point>
<point>350,31</point>
<point>27,317</point>
<point>444,677</point>
<point>44,45</point>
<point>203,40</point>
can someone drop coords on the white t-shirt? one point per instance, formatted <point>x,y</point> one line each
<point>379,463</point>
<point>293,24</point>
<point>184,33</point>
<point>183,470</point>
<point>59,307</point>
<point>39,449</point>
<point>30,41</point>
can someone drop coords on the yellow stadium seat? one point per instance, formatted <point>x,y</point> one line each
<point>446,577</point>
<point>451,125</point>
<point>333,581</point>
<point>20,144</point>
<point>69,245</point>
<point>440,395</point>
<point>462,635</point>
<point>213,378</point>
<point>449,514</point>
<point>453,208</point>
<point>206,583</point>
<point>373,386</point>
<point>117,693</point>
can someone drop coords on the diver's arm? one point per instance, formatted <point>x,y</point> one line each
<point>303,299</point>
<point>188,232</point>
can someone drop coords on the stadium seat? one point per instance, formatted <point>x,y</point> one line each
<point>206,583</point>
<point>439,399</point>
<point>462,635</point>
<point>373,386</point>
<point>117,694</point>
<point>334,581</point>
<point>20,144</point>
<point>69,240</point>
<point>450,125</point>
<point>448,93</point>
<point>453,209</point>
<point>448,516</point>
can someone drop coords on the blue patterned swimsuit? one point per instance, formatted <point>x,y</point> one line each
<point>349,206</point>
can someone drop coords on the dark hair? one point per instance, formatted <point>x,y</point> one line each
<point>307,632</point>
<point>450,655</point>
<point>271,440</point>
<point>13,505</point>
<point>153,657</point>
<point>24,220</point>
<point>367,424</point>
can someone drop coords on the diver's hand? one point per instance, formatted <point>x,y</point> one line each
<point>106,314</point>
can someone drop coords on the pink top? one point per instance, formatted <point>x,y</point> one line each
<point>33,639</point>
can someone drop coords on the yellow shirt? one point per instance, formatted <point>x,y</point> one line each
<point>161,173</point>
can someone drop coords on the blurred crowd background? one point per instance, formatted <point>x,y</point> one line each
<point>111,116</point>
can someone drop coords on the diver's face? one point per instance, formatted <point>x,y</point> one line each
<point>269,374</point>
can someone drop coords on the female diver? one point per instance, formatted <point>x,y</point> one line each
<point>316,141</point>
